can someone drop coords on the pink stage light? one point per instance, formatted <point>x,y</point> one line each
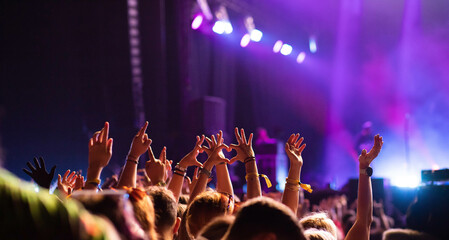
<point>245,40</point>
<point>197,21</point>
<point>286,49</point>
<point>277,46</point>
<point>301,57</point>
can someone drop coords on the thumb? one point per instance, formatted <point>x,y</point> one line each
<point>52,171</point>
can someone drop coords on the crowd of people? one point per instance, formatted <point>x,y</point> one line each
<point>161,202</point>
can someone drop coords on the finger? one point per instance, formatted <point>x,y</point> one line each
<point>242,132</point>
<point>233,160</point>
<point>91,142</point>
<point>31,167</point>
<point>66,174</point>
<point>299,142</point>
<point>237,135</point>
<point>109,145</point>
<point>214,142</point>
<point>287,147</point>
<point>36,163</point>
<point>209,142</point>
<point>52,171</point>
<point>289,141</point>
<point>148,142</point>
<point>250,139</point>
<point>143,129</point>
<point>163,155</point>
<point>59,179</point>
<point>70,177</point>
<point>302,148</point>
<point>195,174</point>
<point>95,136</point>
<point>198,164</point>
<point>220,137</point>
<point>42,162</point>
<point>105,132</point>
<point>100,136</point>
<point>150,154</point>
<point>189,181</point>
<point>295,138</point>
<point>27,172</point>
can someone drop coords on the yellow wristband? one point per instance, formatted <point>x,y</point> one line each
<point>306,187</point>
<point>267,180</point>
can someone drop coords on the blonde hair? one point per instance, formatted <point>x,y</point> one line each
<point>320,221</point>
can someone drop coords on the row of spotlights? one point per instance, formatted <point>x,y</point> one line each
<point>225,27</point>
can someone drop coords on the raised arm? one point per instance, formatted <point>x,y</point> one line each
<point>245,154</point>
<point>215,157</point>
<point>181,168</point>
<point>100,152</point>
<point>224,184</point>
<point>293,148</point>
<point>139,146</point>
<point>361,228</point>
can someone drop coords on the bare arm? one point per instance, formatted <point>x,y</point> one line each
<point>139,146</point>
<point>361,227</point>
<point>293,148</point>
<point>246,155</point>
<point>100,152</point>
<point>189,160</point>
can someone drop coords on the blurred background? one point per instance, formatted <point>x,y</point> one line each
<point>336,71</point>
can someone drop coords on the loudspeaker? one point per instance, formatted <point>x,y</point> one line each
<point>207,115</point>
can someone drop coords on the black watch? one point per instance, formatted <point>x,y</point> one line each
<point>367,171</point>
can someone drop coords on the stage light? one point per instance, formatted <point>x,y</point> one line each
<point>286,49</point>
<point>256,35</point>
<point>245,40</point>
<point>408,181</point>
<point>277,46</point>
<point>228,28</point>
<point>312,45</point>
<point>219,27</point>
<point>301,57</point>
<point>197,21</point>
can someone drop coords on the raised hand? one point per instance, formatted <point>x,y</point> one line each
<point>79,182</point>
<point>100,148</point>
<point>190,159</point>
<point>293,148</point>
<point>214,151</point>
<point>156,169</point>
<point>366,158</point>
<point>244,148</point>
<point>140,143</point>
<point>39,173</point>
<point>66,184</point>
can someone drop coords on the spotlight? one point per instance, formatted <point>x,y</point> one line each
<point>197,21</point>
<point>219,27</point>
<point>256,35</point>
<point>277,46</point>
<point>245,40</point>
<point>228,27</point>
<point>312,45</point>
<point>301,57</point>
<point>286,49</point>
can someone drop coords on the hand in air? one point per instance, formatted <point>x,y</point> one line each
<point>293,148</point>
<point>140,143</point>
<point>214,151</point>
<point>100,148</point>
<point>244,148</point>
<point>157,169</point>
<point>39,173</point>
<point>366,158</point>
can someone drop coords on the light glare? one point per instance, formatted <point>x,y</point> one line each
<point>196,23</point>
<point>277,46</point>
<point>256,35</point>
<point>312,45</point>
<point>286,49</point>
<point>245,40</point>
<point>219,27</point>
<point>301,57</point>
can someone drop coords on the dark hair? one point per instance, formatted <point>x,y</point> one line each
<point>165,207</point>
<point>217,228</point>
<point>265,215</point>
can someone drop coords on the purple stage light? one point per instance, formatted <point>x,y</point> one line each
<point>277,46</point>
<point>286,49</point>
<point>312,45</point>
<point>228,27</point>
<point>245,40</point>
<point>256,35</point>
<point>301,57</point>
<point>197,21</point>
